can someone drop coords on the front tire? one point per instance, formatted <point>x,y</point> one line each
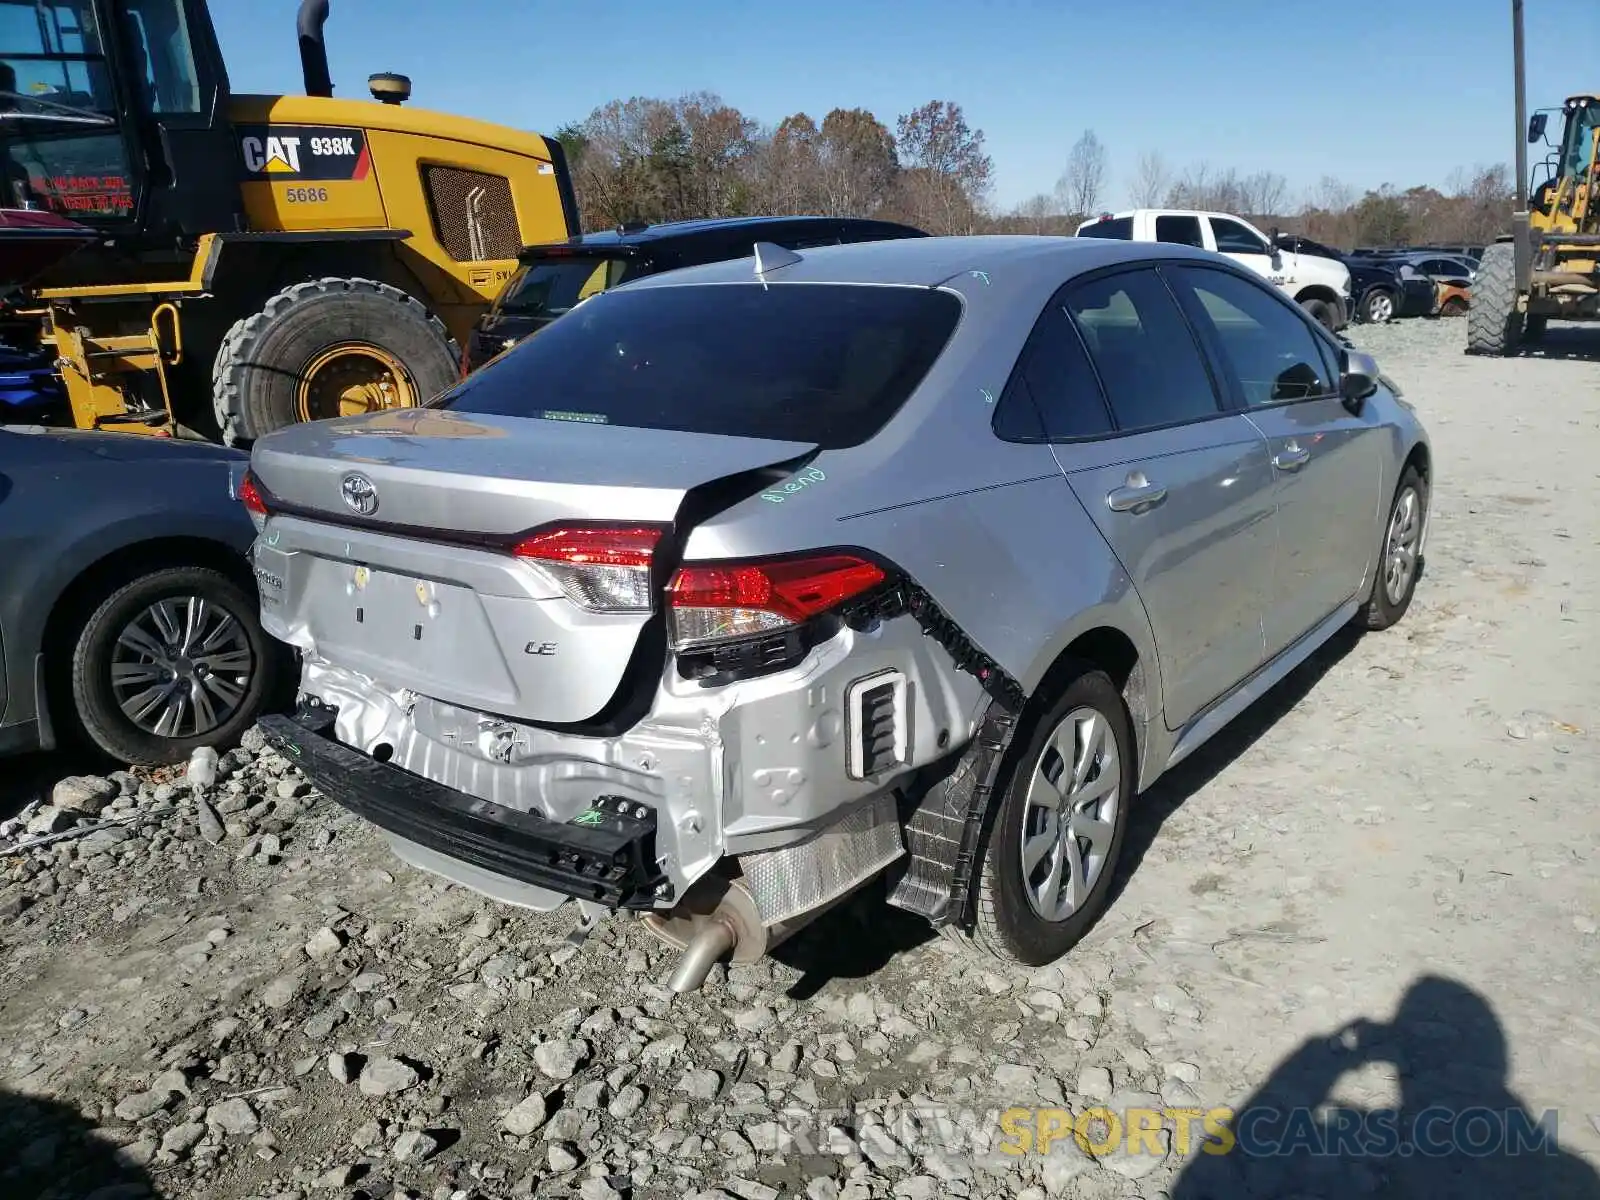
<point>1321,312</point>
<point>1378,307</point>
<point>329,348</point>
<point>1494,326</point>
<point>1394,580</point>
<point>170,661</point>
<point>1052,844</point>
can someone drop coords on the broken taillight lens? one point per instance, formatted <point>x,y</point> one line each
<point>714,604</point>
<point>254,500</point>
<point>600,568</point>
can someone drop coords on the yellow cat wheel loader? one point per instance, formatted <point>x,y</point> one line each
<point>259,260</point>
<point>1549,264</point>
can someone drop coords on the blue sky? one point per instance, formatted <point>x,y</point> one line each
<point>1373,91</point>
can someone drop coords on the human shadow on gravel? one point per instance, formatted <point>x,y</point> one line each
<point>1459,1131</point>
<point>46,1148</point>
<point>1151,809</point>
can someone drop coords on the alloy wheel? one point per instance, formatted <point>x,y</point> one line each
<point>1400,546</point>
<point>1071,814</point>
<point>182,667</point>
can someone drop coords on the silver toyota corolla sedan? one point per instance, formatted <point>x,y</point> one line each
<point>739,587</point>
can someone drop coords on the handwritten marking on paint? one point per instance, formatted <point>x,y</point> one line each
<point>983,275</point>
<point>988,396</point>
<point>799,483</point>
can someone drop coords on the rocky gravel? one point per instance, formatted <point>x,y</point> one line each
<point>229,989</point>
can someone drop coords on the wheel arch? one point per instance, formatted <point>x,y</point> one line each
<point>1104,646</point>
<point>1317,291</point>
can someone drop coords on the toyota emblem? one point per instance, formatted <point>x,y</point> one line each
<point>359,494</point>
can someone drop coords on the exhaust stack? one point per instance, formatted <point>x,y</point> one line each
<point>313,50</point>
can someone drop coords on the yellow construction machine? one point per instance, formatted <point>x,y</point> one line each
<point>1549,264</point>
<point>259,260</point>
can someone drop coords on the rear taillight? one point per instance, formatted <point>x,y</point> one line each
<point>600,568</point>
<point>252,498</point>
<point>713,604</point>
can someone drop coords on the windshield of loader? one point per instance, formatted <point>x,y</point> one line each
<point>1577,152</point>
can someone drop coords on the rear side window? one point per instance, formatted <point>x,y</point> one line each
<point>824,363</point>
<point>1185,231</point>
<point>1054,395</point>
<point>1146,356</point>
<point>546,288</point>
<point>1118,227</point>
<point>1272,351</point>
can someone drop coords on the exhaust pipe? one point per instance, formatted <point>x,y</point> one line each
<point>719,917</point>
<point>313,50</point>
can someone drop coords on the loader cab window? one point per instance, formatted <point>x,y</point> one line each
<point>1577,154</point>
<point>60,147</point>
<point>161,57</point>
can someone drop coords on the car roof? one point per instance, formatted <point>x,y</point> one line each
<point>931,261</point>
<point>667,230</point>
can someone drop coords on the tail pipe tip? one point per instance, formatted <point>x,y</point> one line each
<point>708,945</point>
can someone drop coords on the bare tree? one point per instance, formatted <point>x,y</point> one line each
<point>1151,179</point>
<point>1266,194</point>
<point>946,173</point>
<point>1036,211</point>
<point>1085,176</point>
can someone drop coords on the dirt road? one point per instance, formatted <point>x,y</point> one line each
<point>1396,848</point>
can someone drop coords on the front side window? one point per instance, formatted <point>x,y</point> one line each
<point>822,363</point>
<point>1143,349</point>
<point>1184,231</point>
<point>1273,353</point>
<point>1234,238</point>
<point>1120,228</point>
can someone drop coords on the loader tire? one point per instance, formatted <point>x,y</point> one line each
<point>327,348</point>
<point>1494,325</point>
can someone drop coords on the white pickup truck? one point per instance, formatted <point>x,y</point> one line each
<point>1319,285</point>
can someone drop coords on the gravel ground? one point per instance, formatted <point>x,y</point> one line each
<point>1373,892</point>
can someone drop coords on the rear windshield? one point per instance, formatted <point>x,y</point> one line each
<point>825,363</point>
<point>548,288</point>
<point>1117,227</point>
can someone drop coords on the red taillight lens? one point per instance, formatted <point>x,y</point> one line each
<point>715,604</point>
<point>250,496</point>
<point>600,568</point>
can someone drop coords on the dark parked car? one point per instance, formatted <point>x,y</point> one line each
<point>127,608</point>
<point>550,279</point>
<point>1378,290</point>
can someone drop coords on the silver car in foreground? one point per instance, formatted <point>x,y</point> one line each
<point>739,587</point>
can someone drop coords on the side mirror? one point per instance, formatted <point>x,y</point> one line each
<point>1536,126</point>
<point>1277,258</point>
<point>1358,378</point>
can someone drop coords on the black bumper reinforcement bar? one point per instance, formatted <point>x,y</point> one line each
<point>605,854</point>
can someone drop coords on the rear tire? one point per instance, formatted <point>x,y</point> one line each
<point>114,663</point>
<point>1087,719</point>
<point>267,362</point>
<point>1494,326</point>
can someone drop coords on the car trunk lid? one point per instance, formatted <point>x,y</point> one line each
<point>499,563</point>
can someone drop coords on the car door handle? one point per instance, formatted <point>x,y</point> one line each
<point>1137,495</point>
<point>1291,458</point>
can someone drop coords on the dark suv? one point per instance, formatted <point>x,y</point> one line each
<point>551,279</point>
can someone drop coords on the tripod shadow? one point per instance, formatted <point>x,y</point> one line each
<point>49,1152</point>
<point>1459,1131</point>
